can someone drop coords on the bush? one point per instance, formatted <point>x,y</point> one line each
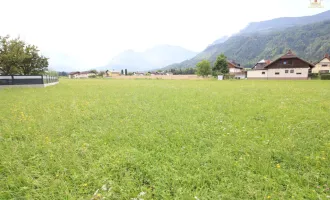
<point>325,76</point>
<point>92,76</point>
<point>228,76</point>
<point>314,76</point>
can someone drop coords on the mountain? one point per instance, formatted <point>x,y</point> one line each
<point>153,58</point>
<point>284,22</point>
<point>309,41</point>
<point>220,40</point>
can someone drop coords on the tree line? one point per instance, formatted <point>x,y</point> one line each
<point>20,58</point>
<point>185,71</point>
<point>220,67</point>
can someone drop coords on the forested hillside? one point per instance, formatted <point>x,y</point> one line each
<point>310,42</point>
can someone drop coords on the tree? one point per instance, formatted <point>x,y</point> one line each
<point>17,57</point>
<point>125,72</point>
<point>63,73</point>
<point>220,65</point>
<point>101,73</point>
<point>10,55</point>
<point>94,71</point>
<point>31,62</point>
<point>203,68</point>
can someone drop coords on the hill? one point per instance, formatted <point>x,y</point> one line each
<point>153,58</point>
<point>310,42</point>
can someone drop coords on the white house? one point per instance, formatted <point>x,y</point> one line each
<point>288,66</point>
<point>323,66</point>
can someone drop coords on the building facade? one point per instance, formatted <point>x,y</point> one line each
<point>289,66</point>
<point>236,70</point>
<point>323,66</point>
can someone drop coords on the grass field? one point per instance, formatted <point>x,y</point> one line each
<point>162,139</point>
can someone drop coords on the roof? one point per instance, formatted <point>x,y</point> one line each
<point>325,56</point>
<point>261,64</point>
<point>234,64</point>
<point>87,72</point>
<point>289,54</point>
<point>73,73</point>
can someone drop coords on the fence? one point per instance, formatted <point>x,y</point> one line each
<point>28,80</point>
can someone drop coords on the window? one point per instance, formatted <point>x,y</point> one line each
<point>324,65</point>
<point>287,62</point>
<point>277,73</point>
<point>263,72</point>
<point>286,71</point>
<point>324,71</point>
<point>298,73</point>
<point>291,71</point>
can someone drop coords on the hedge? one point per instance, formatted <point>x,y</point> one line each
<point>325,76</point>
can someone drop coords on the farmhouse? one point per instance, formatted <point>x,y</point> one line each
<point>323,66</point>
<point>261,65</point>
<point>236,69</point>
<point>288,66</point>
<point>111,73</point>
<point>81,74</point>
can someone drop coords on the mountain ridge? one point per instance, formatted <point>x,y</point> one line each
<point>247,47</point>
<point>152,58</point>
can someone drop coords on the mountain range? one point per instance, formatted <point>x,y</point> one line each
<point>308,37</point>
<point>153,58</point>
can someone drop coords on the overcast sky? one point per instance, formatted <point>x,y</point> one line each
<point>84,34</point>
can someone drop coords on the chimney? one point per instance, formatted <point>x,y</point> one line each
<point>326,55</point>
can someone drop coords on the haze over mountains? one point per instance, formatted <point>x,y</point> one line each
<point>308,36</point>
<point>153,58</point>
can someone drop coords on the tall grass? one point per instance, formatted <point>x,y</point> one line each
<point>160,139</point>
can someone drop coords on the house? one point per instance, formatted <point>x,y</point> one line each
<point>81,74</point>
<point>111,73</point>
<point>323,66</point>
<point>236,70</point>
<point>288,66</point>
<point>261,65</point>
<point>73,74</point>
<point>139,74</point>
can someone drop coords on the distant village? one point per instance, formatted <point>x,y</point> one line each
<point>289,66</point>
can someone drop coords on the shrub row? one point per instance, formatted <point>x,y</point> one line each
<point>325,76</point>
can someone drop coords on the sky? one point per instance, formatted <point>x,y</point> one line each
<point>85,34</point>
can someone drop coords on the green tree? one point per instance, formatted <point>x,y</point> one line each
<point>101,73</point>
<point>11,52</point>
<point>94,71</point>
<point>31,63</point>
<point>16,57</point>
<point>203,68</point>
<point>220,65</point>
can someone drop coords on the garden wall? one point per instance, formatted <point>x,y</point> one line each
<point>27,81</point>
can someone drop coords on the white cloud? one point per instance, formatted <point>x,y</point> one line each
<point>90,32</point>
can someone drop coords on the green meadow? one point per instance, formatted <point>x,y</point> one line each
<point>166,139</point>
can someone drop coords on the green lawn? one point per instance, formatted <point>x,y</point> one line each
<point>167,139</point>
